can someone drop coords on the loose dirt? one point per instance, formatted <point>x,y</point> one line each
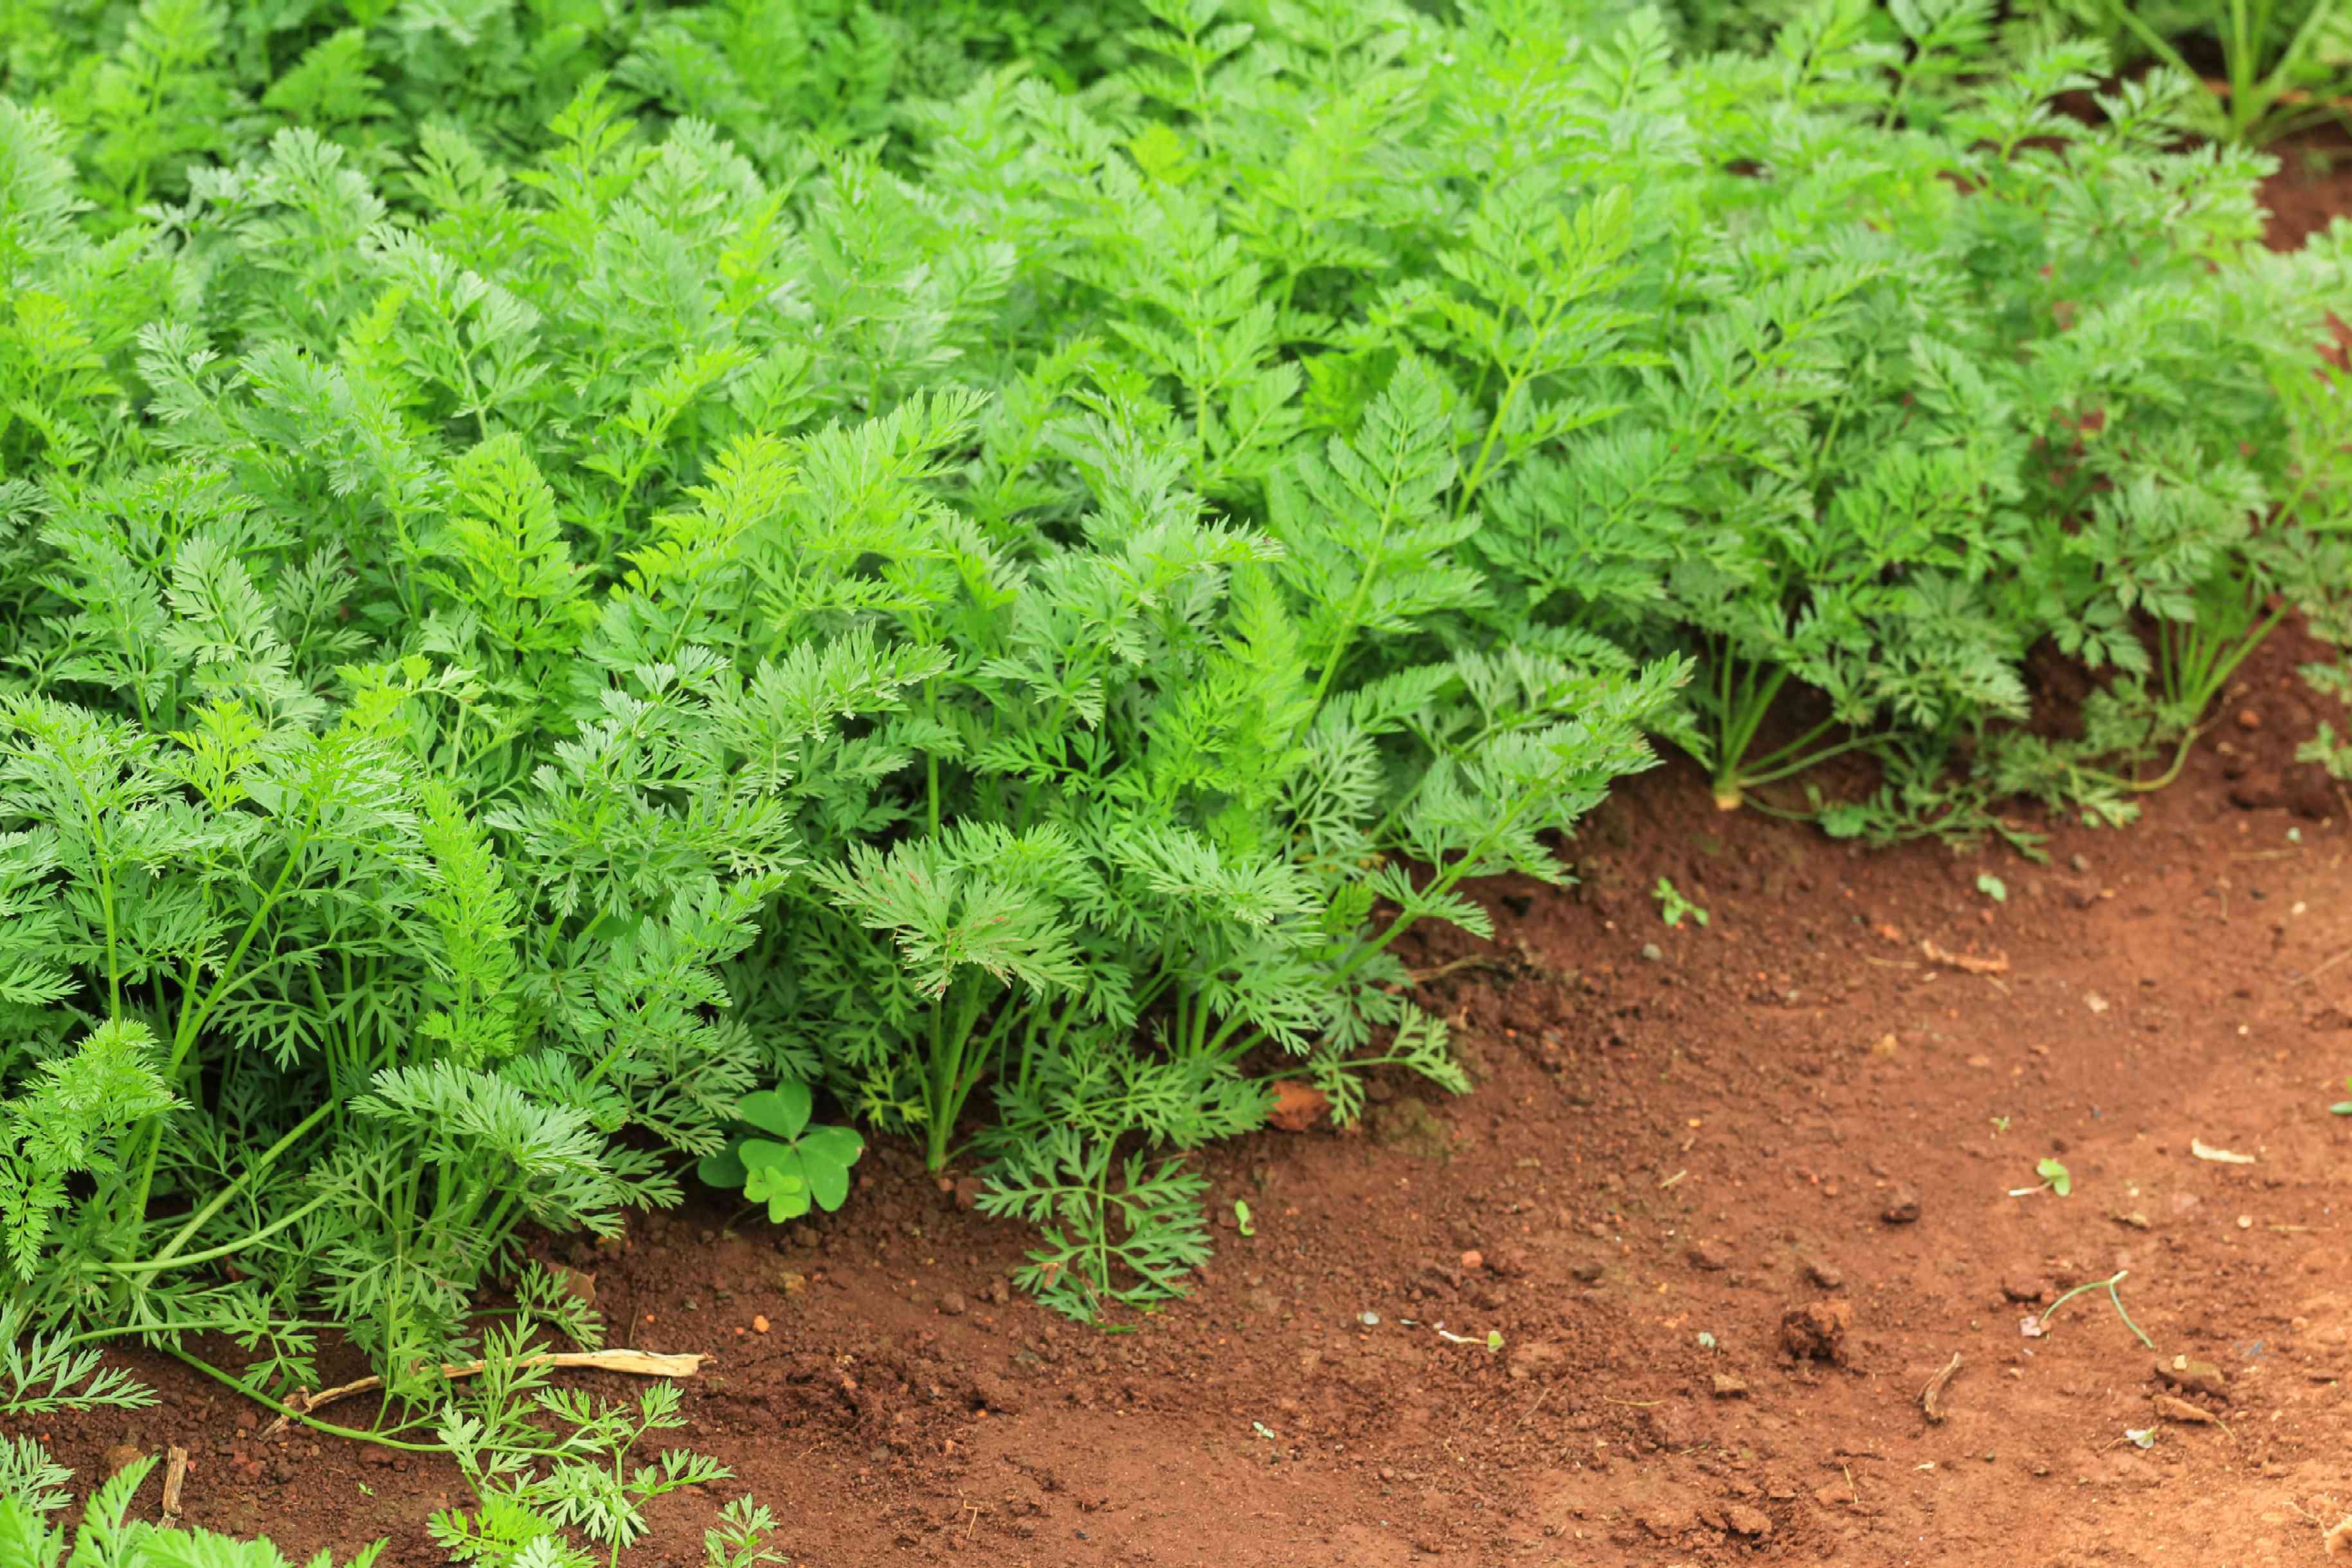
<point>1734,1210</point>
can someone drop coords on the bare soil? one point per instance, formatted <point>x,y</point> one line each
<point>1733,1196</point>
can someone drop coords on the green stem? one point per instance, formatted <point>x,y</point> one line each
<point>2113,1294</point>
<point>259,1398</point>
<point>226,1249</point>
<point>197,1220</point>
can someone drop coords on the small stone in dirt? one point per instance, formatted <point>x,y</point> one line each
<point>1824,1274</point>
<point>2194,1376</point>
<point>1297,1106</point>
<point>2080,863</point>
<point>999,1292</point>
<point>120,1458</point>
<point>1712,1256</point>
<point>2026,1287</point>
<point>1675,1427</point>
<point>1586,1273</point>
<point>1746,1521</point>
<point>2247,718</point>
<point>951,1303</point>
<point>1652,953</point>
<point>380,1457</point>
<point>1831,1494</point>
<point>1902,1207</point>
<point>1506,1262</point>
<point>989,1393</point>
<point>1729,1387</point>
<point>759,1323</point>
<point>1666,1521</point>
<point>801,1235</point>
<point>1474,1259</point>
<point>1408,1123</point>
<point>1535,1358</point>
<point>1816,1331</point>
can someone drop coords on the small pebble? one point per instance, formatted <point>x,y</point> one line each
<point>1653,953</point>
<point>759,1325</point>
<point>1474,1259</point>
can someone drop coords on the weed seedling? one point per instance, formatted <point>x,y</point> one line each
<point>2343,1107</point>
<point>1992,887</point>
<point>1241,1217</point>
<point>2055,1177</point>
<point>2039,1323</point>
<point>2000,1126</point>
<point>1673,906</point>
<point>776,1157</point>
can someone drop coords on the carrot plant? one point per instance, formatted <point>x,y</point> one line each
<point>555,579</point>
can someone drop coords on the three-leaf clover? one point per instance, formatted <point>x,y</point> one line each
<point>777,1158</point>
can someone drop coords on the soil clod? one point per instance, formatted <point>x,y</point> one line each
<point>2193,1377</point>
<point>1817,1331</point>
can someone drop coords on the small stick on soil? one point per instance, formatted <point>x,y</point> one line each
<point>637,1363</point>
<point>1454,966</point>
<point>1931,1397</point>
<point>2190,1415</point>
<point>1966,962</point>
<point>176,1478</point>
<point>2327,966</point>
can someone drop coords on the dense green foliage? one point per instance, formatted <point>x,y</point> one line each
<point>539,603</point>
<point>2274,67</point>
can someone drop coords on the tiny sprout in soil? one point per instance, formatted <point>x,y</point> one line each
<point>1992,887</point>
<point>1241,1217</point>
<point>776,1157</point>
<point>2343,1107</point>
<point>2054,1176</point>
<point>1673,906</point>
<point>2037,1325</point>
<point>2000,1126</point>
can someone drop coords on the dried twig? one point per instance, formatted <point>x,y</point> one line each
<point>1454,966</point>
<point>637,1363</point>
<point>2180,1410</point>
<point>2330,964</point>
<point>1996,964</point>
<point>176,1478</point>
<point>1931,1395</point>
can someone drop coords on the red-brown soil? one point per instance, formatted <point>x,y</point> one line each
<point>1794,1109</point>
